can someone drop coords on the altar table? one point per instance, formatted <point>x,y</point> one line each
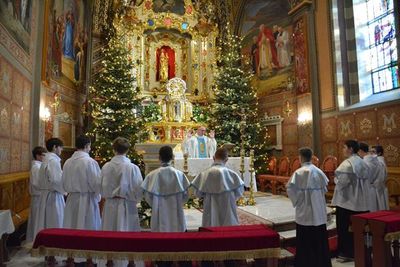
<point>6,228</point>
<point>196,166</point>
<point>233,244</point>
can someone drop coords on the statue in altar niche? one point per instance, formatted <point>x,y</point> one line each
<point>165,64</point>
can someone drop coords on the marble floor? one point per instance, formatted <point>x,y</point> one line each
<point>270,209</point>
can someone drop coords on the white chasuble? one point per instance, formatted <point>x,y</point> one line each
<point>306,189</point>
<point>81,180</point>
<point>51,202</point>
<point>34,191</point>
<point>166,191</point>
<point>120,186</point>
<point>379,199</point>
<point>200,147</point>
<point>220,187</point>
<point>352,185</point>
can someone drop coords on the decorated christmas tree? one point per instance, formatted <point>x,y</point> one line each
<point>114,101</point>
<point>234,112</point>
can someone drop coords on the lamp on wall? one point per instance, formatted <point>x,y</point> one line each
<point>45,114</point>
<point>304,118</point>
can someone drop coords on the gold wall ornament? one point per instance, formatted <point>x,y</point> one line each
<point>287,108</point>
<point>366,125</point>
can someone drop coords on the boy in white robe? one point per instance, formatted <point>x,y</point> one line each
<point>34,190</point>
<point>351,196</point>
<point>51,213</point>
<point>380,185</point>
<point>166,191</point>
<point>200,146</point>
<point>81,180</point>
<point>120,186</point>
<point>377,178</point>
<point>306,189</point>
<point>220,187</point>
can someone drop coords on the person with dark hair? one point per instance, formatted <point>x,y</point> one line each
<point>377,176</point>
<point>382,194</point>
<point>166,191</point>
<point>51,213</point>
<point>350,196</point>
<point>306,189</point>
<point>34,190</point>
<point>120,186</point>
<point>81,180</point>
<point>220,187</point>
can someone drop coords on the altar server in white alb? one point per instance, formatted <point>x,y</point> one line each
<point>34,190</point>
<point>166,191</point>
<point>120,186</point>
<point>220,187</point>
<point>81,180</point>
<point>200,146</point>
<point>379,198</point>
<point>351,196</point>
<point>306,189</point>
<point>51,207</point>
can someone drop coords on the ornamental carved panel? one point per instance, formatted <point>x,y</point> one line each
<point>329,130</point>
<point>366,127</point>
<point>345,126</point>
<point>389,121</point>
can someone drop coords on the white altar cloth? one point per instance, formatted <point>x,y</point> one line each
<point>6,223</point>
<point>196,166</point>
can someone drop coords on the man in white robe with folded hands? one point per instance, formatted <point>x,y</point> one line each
<point>351,196</point>
<point>220,187</point>
<point>81,180</point>
<point>306,189</point>
<point>166,191</point>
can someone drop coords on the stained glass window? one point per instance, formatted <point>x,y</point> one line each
<point>375,34</point>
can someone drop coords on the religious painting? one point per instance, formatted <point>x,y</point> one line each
<point>172,6</point>
<point>267,42</point>
<point>301,56</point>
<point>16,17</point>
<point>165,64</point>
<point>67,41</point>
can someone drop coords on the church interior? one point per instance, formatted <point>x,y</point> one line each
<point>261,78</point>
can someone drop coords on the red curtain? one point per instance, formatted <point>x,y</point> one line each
<point>171,62</point>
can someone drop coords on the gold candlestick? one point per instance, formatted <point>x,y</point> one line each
<point>251,201</point>
<point>241,201</point>
<point>185,164</point>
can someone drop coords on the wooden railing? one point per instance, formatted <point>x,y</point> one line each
<point>14,196</point>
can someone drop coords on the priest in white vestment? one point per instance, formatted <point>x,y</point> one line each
<point>51,207</point>
<point>306,189</point>
<point>81,180</point>
<point>220,187</point>
<point>166,191</point>
<point>120,186</point>
<point>377,175</point>
<point>34,191</point>
<point>351,196</point>
<point>200,146</point>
